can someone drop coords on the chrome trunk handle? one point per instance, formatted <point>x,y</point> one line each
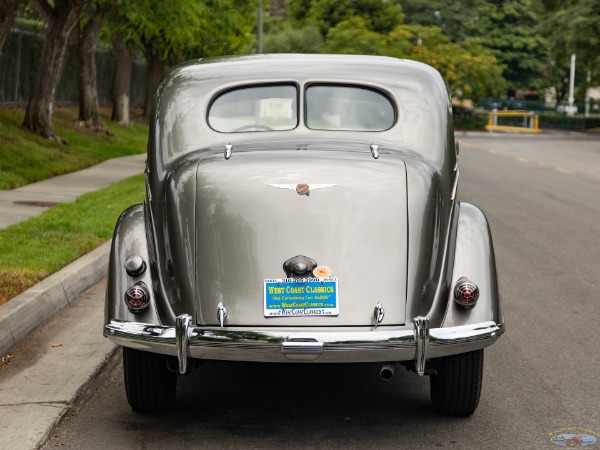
<point>302,348</point>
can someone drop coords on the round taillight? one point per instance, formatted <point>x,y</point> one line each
<point>137,298</point>
<point>466,293</point>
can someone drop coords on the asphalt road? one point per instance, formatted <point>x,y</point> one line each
<point>542,197</point>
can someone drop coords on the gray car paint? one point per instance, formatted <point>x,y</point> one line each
<point>199,257</point>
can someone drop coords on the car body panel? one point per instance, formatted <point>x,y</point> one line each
<point>224,212</point>
<point>247,227</point>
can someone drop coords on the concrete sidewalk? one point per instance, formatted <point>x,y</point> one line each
<point>50,369</point>
<point>26,312</point>
<point>28,201</point>
<point>39,381</point>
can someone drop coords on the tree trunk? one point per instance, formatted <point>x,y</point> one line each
<point>87,46</point>
<point>8,12</point>
<point>60,20</point>
<point>156,69</point>
<point>122,80</point>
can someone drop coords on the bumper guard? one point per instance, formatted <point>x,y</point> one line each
<point>418,344</point>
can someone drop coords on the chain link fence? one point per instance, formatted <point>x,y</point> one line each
<point>19,63</point>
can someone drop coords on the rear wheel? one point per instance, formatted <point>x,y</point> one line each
<point>149,384</point>
<point>456,386</point>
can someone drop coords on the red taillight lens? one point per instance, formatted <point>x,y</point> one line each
<point>137,297</point>
<point>466,293</point>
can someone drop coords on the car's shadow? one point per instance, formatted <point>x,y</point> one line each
<point>265,405</point>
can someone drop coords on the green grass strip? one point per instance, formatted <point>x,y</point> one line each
<point>40,246</point>
<point>26,157</point>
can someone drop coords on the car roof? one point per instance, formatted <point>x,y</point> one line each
<point>418,91</point>
<point>300,66</point>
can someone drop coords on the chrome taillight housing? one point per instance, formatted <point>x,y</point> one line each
<point>137,297</point>
<point>466,293</point>
<point>135,266</point>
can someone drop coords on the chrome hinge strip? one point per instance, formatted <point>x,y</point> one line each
<point>228,151</point>
<point>375,150</point>
<point>379,314</point>
<point>221,314</point>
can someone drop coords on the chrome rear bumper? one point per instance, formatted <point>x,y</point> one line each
<point>419,344</point>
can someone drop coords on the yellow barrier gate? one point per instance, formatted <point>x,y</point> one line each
<point>531,121</point>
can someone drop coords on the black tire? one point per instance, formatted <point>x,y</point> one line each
<point>149,384</point>
<point>456,387</point>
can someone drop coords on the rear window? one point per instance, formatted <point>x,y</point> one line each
<point>256,108</point>
<point>348,108</point>
<point>275,107</point>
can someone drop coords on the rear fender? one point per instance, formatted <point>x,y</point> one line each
<point>474,259</point>
<point>129,239</point>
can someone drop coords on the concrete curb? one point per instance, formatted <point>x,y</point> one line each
<point>34,307</point>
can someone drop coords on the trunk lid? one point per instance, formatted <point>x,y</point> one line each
<point>250,220</point>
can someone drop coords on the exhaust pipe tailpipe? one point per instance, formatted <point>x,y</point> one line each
<point>387,371</point>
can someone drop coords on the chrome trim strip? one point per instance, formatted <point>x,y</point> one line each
<point>338,346</point>
<point>421,325</point>
<point>455,186</point>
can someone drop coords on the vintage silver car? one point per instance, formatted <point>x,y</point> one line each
<point>303,209</point>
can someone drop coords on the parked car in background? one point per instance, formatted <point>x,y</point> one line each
<point>303,209</point>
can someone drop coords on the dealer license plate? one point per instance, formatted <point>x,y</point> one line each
<point>288,297</point>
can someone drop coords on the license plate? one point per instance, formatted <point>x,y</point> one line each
<point>289,297</point>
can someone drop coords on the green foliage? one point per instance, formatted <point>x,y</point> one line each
<point>458,20</point>
<point>517,45</point>
<point>468,119</point>
<point>507,29</point>
<point>378,15</point>
<point>191,29</point>
<point>305,39</point>
<point>352,36</point>
<point>564,122</point>
<point>578,25</point>
<point>470,69</point>
<point>297,10</point>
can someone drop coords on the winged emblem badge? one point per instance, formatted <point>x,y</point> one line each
<point>303,188</point>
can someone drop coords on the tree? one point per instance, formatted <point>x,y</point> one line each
<point>124,37</point>
<point>60,16</point>
<point>508,29</point>
<point>168,35</point>
<point>87,46</point>
<point>121,90</point>
<point>282,37</point>
<point>374,27</point>
<point>579,25</point>
<point>353,36</point>
<point>457,20</point>
<point>8,12</point>
<point>471,71</point>
<point>380,16</point>
<point>515,42</point>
